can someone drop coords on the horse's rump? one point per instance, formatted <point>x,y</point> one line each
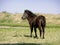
<point>40,20</point>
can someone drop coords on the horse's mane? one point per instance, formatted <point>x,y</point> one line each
<point>30,13</point>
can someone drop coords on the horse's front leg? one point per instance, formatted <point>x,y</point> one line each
<point>31,28</point>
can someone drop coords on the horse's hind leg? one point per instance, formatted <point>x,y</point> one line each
<point>43,32</point>
<point>35,32</point>
<point>40,31</point>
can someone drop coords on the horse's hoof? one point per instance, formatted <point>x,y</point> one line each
<point>35,37</point>
<point>43,38</point>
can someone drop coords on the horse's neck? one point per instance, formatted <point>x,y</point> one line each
<point>31,19</point>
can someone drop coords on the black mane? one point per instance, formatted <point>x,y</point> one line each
<point>30,13</point>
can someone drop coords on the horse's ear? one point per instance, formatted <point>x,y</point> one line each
<point>26,11</point>
<point>29,12</point>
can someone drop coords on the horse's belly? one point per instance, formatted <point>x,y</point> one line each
<point>35,25</point>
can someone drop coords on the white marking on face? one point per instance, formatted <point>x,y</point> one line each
<point>25,15</point>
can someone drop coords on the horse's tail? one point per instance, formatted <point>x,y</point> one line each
<point>42,21</point>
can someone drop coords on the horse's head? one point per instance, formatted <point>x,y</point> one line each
<point>25,14</point>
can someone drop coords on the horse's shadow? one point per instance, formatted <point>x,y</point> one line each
<point>27,36</point>
<point>30,36</point>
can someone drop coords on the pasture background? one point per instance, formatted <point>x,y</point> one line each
<point>14,30</point>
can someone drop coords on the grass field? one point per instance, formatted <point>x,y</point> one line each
<point>20,35</point>
<point>16,31</point>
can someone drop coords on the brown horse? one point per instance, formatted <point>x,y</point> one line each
<point>35,22</point>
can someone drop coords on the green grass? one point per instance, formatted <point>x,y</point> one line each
<point>20,35</point>
<point>25,24</point>
<point>19,32</point>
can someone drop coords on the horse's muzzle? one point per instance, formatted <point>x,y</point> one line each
<point>22,18</point>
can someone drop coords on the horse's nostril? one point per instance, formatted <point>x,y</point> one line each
<point>22,18</point>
